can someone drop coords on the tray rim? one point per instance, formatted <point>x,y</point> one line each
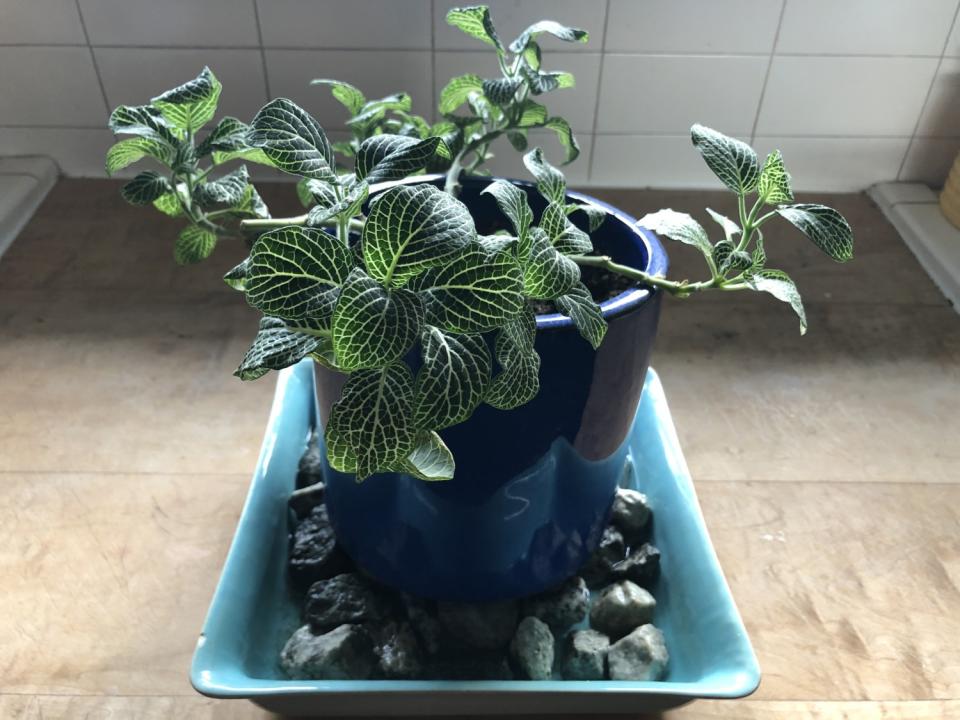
<point>745,680</point>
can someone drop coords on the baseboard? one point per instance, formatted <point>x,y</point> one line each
<point>24,183</point>
<point>913,210</point>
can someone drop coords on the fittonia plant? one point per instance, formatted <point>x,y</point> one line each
<point>361,282</point>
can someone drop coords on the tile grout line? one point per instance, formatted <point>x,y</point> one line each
<point>262,49</point>
<point>433,62</point>
<point>766,75</point>
<point>596,105</point>
<point>93,58</point>
<point>926,99</point>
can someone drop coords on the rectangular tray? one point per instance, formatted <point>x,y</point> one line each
<point>253,612</point>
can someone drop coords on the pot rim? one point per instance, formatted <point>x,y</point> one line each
<point>628,300</point>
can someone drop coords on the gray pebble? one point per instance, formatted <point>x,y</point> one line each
<point>585,656</point>
<point>400,656</point>
<point>561,607</point>
<point>310,469</point>
<point>598,570</point>
<point>630,513</point>
<point>620,608</point>
<point>487,626</point>
<point>346,598</point>
<point>471,666</point>
<point>424,623</point>
<point>641,655</point>
<point>315,554</point>
<point>532,649</point>
<point>642,566</point>
<point>345,653</point>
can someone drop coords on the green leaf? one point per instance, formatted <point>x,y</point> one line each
<point>345,93</point>
<point>274,348</point>
<point>430,459</point>
<point>475,21</point>
<point>293,140</point>
<point>348,206</point>
<point>532,56</point>
<point>518,139</point>
<point>548,273</point>
<point>394,157</point>
<point>501,90</point>
<point>229,135</point>
<point>249,154</point>
<point>145,188</point>
<point>734,162</point>
<point>296,273</point>
<point>562,32</point>
<point>193,245</point>
<point>458,91</point>
<point>779,284</point>
<point>774,184</point>
<point>512,202</point>
<point>544,82</point>
<point>550,181</point>
<point>517,336</point>
<point>370,426</point>
<point>191,105</point>
<point>566,137</point>
<point>583,310</point>
<point>678,226</point>
<point>533,114</point>
<point>169,204</point>
<point>730,228</point>
<point>475,292</point>
<point>127,152</point>
<point>827,228</point>
<point>237,277</point>
<point>143,120</point>
<point>595,215</point>
<point>229,189</point>
<point>373,326</point>
<point>411,228</point>
<point>454,376</point>
<point>566,237</point>
<point>517,384</point>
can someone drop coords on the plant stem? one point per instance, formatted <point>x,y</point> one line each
<point>681,288</point>
<point>262,224</point>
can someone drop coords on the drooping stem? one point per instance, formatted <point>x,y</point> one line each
<point>680,288</point>
<point>263,224</point>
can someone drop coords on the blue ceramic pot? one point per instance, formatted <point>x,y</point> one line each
<point>534,485</point>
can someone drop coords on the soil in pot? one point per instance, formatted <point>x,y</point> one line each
<point>596,625</point>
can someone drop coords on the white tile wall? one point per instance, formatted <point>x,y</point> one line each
<point>639,93</point>
<point>854,92</point>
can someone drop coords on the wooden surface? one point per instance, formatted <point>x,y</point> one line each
<point>828,467</point>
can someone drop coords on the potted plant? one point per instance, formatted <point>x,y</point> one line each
<point>480,343</point>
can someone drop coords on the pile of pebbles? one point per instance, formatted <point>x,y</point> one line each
<point>596,625</point>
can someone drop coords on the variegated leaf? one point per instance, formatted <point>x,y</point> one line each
<point>779,284</point>
<point>370,429</point>
<point>475,21</point>
<point>348,205</point>
<point>561,32</point>
<point>193,245</point>
<point>730,228</point>
<point>825,227</point>
<point>678,226</point>
<point>533,114</point>
<point>237,277</point>
<point>430,459</point>
<point>566,137</point>
<point>229,135</point>
<point>373,326</point>
<point>143,120</point>
<point>731,160</point>
<point>501,91</point>
<point>543,82</point>
<point>145,188</point>
<point>345,93</point>
<point>296,273</point>
<point>411,228</point>
<point>452,380</point>
<point>127,152</point>
<point>517,336</point>
<point>228,189</point>
<point>516,384</point>
<point>274,348</point>
<point>512,202</point>
<point>293,140</point>
<point>191,105</point>
<point>566,237</point>
<point>394,157</point>
<point>595,215</point>
<point>475,292</point>
<point>547,273</point>
<point>578,305</point>
<point>550,181</point>
<point>774,184</point>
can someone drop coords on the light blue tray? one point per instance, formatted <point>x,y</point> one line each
<point>253,612</point>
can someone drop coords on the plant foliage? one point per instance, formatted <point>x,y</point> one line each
<point>392,284</point>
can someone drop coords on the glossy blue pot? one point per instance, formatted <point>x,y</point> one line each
<point>534,485</point>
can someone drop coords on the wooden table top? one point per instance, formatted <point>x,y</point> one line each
<point>828,467</point>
